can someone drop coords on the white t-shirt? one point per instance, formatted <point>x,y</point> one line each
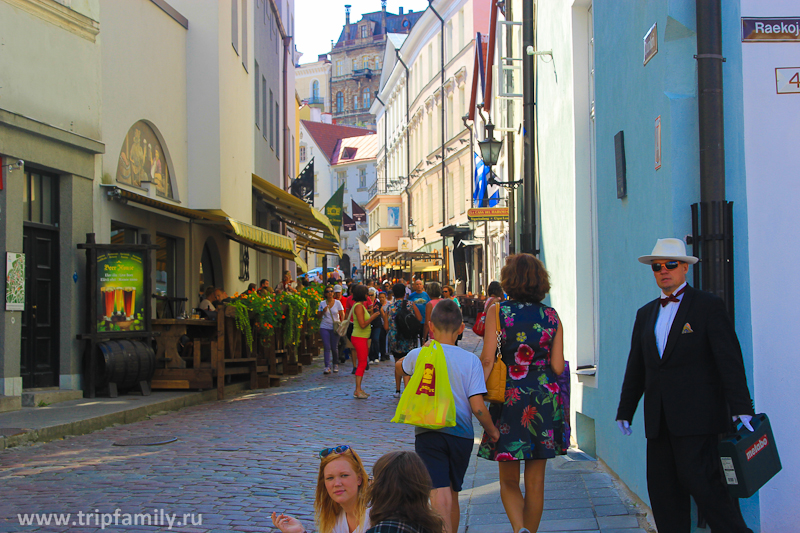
<point>342,527</point>
<point>327,319</point>
<point>465,372</point>
<point>206,305</point>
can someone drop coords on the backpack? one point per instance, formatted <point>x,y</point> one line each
<point>406,321</point>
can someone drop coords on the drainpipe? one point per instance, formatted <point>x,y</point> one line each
<point>408,146</point>
<point>712,151</point>
<point>528,233</point>
<point>444,170</point>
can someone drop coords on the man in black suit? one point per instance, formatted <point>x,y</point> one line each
<point>686,360</point>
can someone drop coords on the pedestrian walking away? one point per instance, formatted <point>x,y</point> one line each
<point>399,344</point>
<point>340,504</point>
<point>446,451</point>
<point>531,419</point>
<point>686,360</point>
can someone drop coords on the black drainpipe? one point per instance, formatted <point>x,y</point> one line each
<point>444,173</point>
<point>714,244</point>
<point>528,233</point>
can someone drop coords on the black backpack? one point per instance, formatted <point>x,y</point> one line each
<point>406,321</point>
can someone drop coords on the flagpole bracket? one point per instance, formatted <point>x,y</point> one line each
<point>506,184</point>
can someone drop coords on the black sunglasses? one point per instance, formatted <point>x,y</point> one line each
<point>337,450</point>
<point>671,265</point>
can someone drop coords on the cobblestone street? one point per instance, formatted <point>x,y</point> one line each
<point>237,460</point>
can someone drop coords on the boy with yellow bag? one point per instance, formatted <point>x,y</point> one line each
<point>446,388</point>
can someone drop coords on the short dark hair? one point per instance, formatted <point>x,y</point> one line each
<point>399,291</point>
<point>251,286</point>
<point>261,283</point>
<point>209,291</point>
<point>401,491</point>
<point>446,316</point>
<point>524,278</point>
<point>359,293</point>
<point>495,289</point>
<point>434,289</point>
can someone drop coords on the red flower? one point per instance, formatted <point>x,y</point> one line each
<point>504,428</point>
<point>512,396</point>
<point>504,456</point>
<point>524,355</point>
<point>518,372</point>
<point>547,338</point>
<point>552,387</point>
<point>528,415</point>
<point>551,315</point>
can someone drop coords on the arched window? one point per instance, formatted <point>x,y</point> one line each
<point>315,90</point>
<point>365,97</point>
<point>339,102</point>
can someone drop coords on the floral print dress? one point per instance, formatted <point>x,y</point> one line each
<point>531,420</point>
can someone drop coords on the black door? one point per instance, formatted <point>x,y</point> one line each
<point>40,346</point>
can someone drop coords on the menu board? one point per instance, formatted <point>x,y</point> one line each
<point>120,291</point>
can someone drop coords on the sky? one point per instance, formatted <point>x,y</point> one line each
<point>320,21</point>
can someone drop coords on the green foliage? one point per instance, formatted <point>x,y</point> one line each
<point>243,321</point>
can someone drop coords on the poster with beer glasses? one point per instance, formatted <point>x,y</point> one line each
<point>120,278</point>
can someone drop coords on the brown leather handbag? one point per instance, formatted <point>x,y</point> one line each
<point>496,382</point>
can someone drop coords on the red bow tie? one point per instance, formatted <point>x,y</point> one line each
<point>672,297</point>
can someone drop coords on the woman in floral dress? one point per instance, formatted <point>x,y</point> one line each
<point>531,420</point>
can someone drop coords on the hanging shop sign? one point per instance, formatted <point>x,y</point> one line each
<point>650,44</point>
<point>120,290</point>
<point>787,80</point>
<point>488,214</point>
<point>771,29</point>
<point>15,281</point>
<point>142,160</point>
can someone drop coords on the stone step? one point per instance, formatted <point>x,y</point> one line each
<point>9,403</point>
<point>33,398</point>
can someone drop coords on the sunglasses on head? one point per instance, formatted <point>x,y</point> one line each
<point>337,450</point>
<point>671,265</point>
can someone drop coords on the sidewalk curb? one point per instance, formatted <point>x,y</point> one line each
<point>128,416</point>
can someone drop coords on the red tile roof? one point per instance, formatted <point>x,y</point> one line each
<point>327,136</point>
<point>352,149</point>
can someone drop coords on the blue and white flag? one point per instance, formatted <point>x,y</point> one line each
<point>481,179</point>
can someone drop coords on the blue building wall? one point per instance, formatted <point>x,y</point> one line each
<point>629,97</point>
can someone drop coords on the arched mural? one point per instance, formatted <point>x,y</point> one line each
<point>142,159</point>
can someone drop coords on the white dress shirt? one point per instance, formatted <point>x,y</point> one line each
<point>666,315</point>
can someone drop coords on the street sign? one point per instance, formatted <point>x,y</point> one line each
<point>486,214</point>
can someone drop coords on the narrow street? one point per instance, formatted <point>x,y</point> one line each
<point>237,460</point>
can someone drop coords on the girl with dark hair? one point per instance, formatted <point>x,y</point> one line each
<point>400,496</point>
<point>362,319</point>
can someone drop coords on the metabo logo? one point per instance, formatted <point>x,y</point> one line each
<point>753,450</point>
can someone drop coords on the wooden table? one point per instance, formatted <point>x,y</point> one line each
<point>172,370</point>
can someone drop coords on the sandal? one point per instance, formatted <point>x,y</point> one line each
<point>360,395</point>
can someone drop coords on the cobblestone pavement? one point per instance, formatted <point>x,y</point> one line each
<point>237,460</point>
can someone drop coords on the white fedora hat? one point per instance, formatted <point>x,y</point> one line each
<point>668,249</point>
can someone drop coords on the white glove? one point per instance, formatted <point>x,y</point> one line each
<point>745,420</point>
<point>625,427</point>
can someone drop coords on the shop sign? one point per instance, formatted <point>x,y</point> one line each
<point>403,244</point>
<point>787,80</point>
<point>650,44</point>
<point>487,214</point>
<point>775,29</point>
<point>142,160</point>
<point>15,281</point>
<point>120,291</point>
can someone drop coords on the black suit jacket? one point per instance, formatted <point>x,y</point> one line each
<point>700,380</point>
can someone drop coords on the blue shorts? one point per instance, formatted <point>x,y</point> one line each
<point>445,456</point>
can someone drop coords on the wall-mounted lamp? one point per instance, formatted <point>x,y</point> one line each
<point>19,164</point>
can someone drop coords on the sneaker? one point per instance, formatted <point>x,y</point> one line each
<point>396,394</point>
<point>335,369</point>
<point>327,370</point>
<point>375,361</point>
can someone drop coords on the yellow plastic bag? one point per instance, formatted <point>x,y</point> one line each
<point>428,399</point>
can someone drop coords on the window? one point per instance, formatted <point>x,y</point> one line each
<point>365,97</point>
<point>277,130</point>
<point>340,68</point>
<point>365,63</point>
<point>355,102</point>
<point>461,29</point>
<point>462,190</point>
<point>450,116</point>
<point>362,178</point>
<point>122,234</point>
<point>271,131</point>
<point>302,154</point>
<point>235,25</point>
<point>244,34</point>
<point>430,62</point>
<point>449,39</point>
<point>355,64</point>
<point>264,106</point>
<point>341,179</point>
<point>315,90</point>
<point>257,93</point>
<point>430,205</point>
<point>39,198</point>
<point>451,193</point>
<point>166,266</point>
<point>364,31</point>
<point>339,102</point>
<point>377,64</point>
<point>439,200</point>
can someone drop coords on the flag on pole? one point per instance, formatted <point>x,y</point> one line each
<point>359,215</point>
<point>348,224</point>
<point>303,186</point>
<point>481,183</point>
<point>333,210</point>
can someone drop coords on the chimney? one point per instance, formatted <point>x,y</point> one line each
<point>322,57</point>
<point>383,17</point>
<point>347,22</point>
<point>401,9</point>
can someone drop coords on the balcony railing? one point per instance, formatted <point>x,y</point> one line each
<point>316,100</point>
<point>394,186</point>
<point>366,72</point>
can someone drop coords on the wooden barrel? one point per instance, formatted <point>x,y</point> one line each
<point>125,363</point>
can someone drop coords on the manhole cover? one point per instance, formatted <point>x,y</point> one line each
<point>10,432</point>
<point>146,441</point>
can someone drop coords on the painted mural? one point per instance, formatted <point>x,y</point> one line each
<point>142,159</point>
